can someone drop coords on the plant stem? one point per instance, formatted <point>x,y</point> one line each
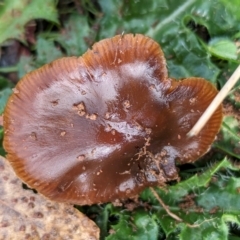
<point>9,69</point>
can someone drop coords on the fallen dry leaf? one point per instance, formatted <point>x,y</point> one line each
<point>26,215</point>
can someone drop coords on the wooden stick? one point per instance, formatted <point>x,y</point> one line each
<point>215,103</point>
<point>174,216</point>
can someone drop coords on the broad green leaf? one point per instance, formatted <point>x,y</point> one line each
<point>46,51</point>
<point>75,38</point>
<point>186,57</point>
<point>222,193</point>
<point>218,16</point>
<point>25,65</point>
<point>223,48</point>
<point>15,14</point>
<point>111,22</point>
<point>229,141</point>
<point>232,7</point>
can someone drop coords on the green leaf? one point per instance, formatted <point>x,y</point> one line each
<point>4,95</point>
<point>222,193</point>
<point>229,141</point>
<point>217,16</point>
<point>165,22</point>
<point>101,213</point>
<point>206,201</point>
<point>25,65</point>
<point>15,14</point>
<point>223,48</point>
<point>184,187</point>
<point>75,38</point>
<point>111,22</point>
<point>5,83</point>
<point>227,70</point>
<point>46,51</point>
<point>186,57</point>
<point>216,229</point>
<point>232,7</point>
<point>234,96</point>
<point>135,225</point>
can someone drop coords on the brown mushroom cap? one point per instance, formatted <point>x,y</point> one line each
<point>106,125</point>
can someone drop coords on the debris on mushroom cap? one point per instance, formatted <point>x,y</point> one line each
<point>106,125</point>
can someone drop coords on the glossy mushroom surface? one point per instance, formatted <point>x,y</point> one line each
<point>106,125</point>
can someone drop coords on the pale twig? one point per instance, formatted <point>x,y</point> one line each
<point>215,103</point>
<point>174,216</point>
